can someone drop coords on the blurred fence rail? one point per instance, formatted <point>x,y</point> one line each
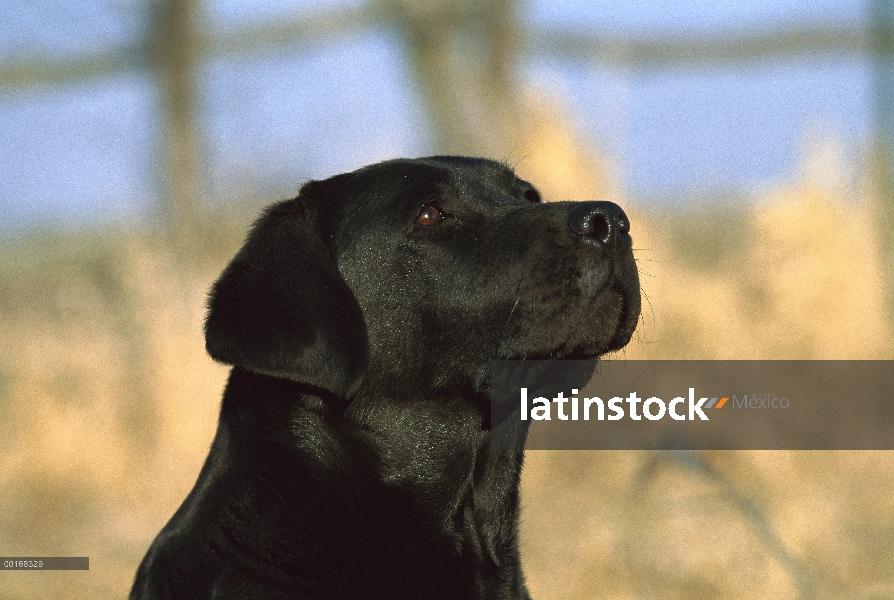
<point>27,74</point>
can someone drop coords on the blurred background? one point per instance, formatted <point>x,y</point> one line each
<point>749,141</point>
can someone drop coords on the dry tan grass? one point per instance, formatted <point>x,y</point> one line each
<point>108,405</point>
<point>797,275</point>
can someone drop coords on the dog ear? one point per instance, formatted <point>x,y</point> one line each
<point>282,309</point>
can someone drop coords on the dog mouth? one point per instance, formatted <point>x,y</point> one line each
<point>627,320</point>
<point>605,325</point>
<point>608,324</point>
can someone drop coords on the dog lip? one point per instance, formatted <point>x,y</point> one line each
<point>627,321</point>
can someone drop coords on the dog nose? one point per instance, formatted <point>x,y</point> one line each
<point>603,221</point>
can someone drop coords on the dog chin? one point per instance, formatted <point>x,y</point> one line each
<point>610,339</point>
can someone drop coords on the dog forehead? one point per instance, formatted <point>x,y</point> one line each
<point>392,189</point>
<point>477,176</point>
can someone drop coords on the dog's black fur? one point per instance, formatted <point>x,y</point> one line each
<point>351,459</point>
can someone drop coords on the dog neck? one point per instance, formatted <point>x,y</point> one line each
<point>398,466</point>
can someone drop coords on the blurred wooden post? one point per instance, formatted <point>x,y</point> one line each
<point>176,51</point>
<point>462,51</point>
<point>881,45</point>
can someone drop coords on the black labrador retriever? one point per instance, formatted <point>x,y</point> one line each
<point>352,458</point>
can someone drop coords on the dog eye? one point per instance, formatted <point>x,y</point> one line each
<point>531,195</point>
<point>430,215</point>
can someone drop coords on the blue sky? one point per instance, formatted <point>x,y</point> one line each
<point>88,152</point>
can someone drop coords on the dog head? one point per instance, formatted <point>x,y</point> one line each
<point>415,274</point>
